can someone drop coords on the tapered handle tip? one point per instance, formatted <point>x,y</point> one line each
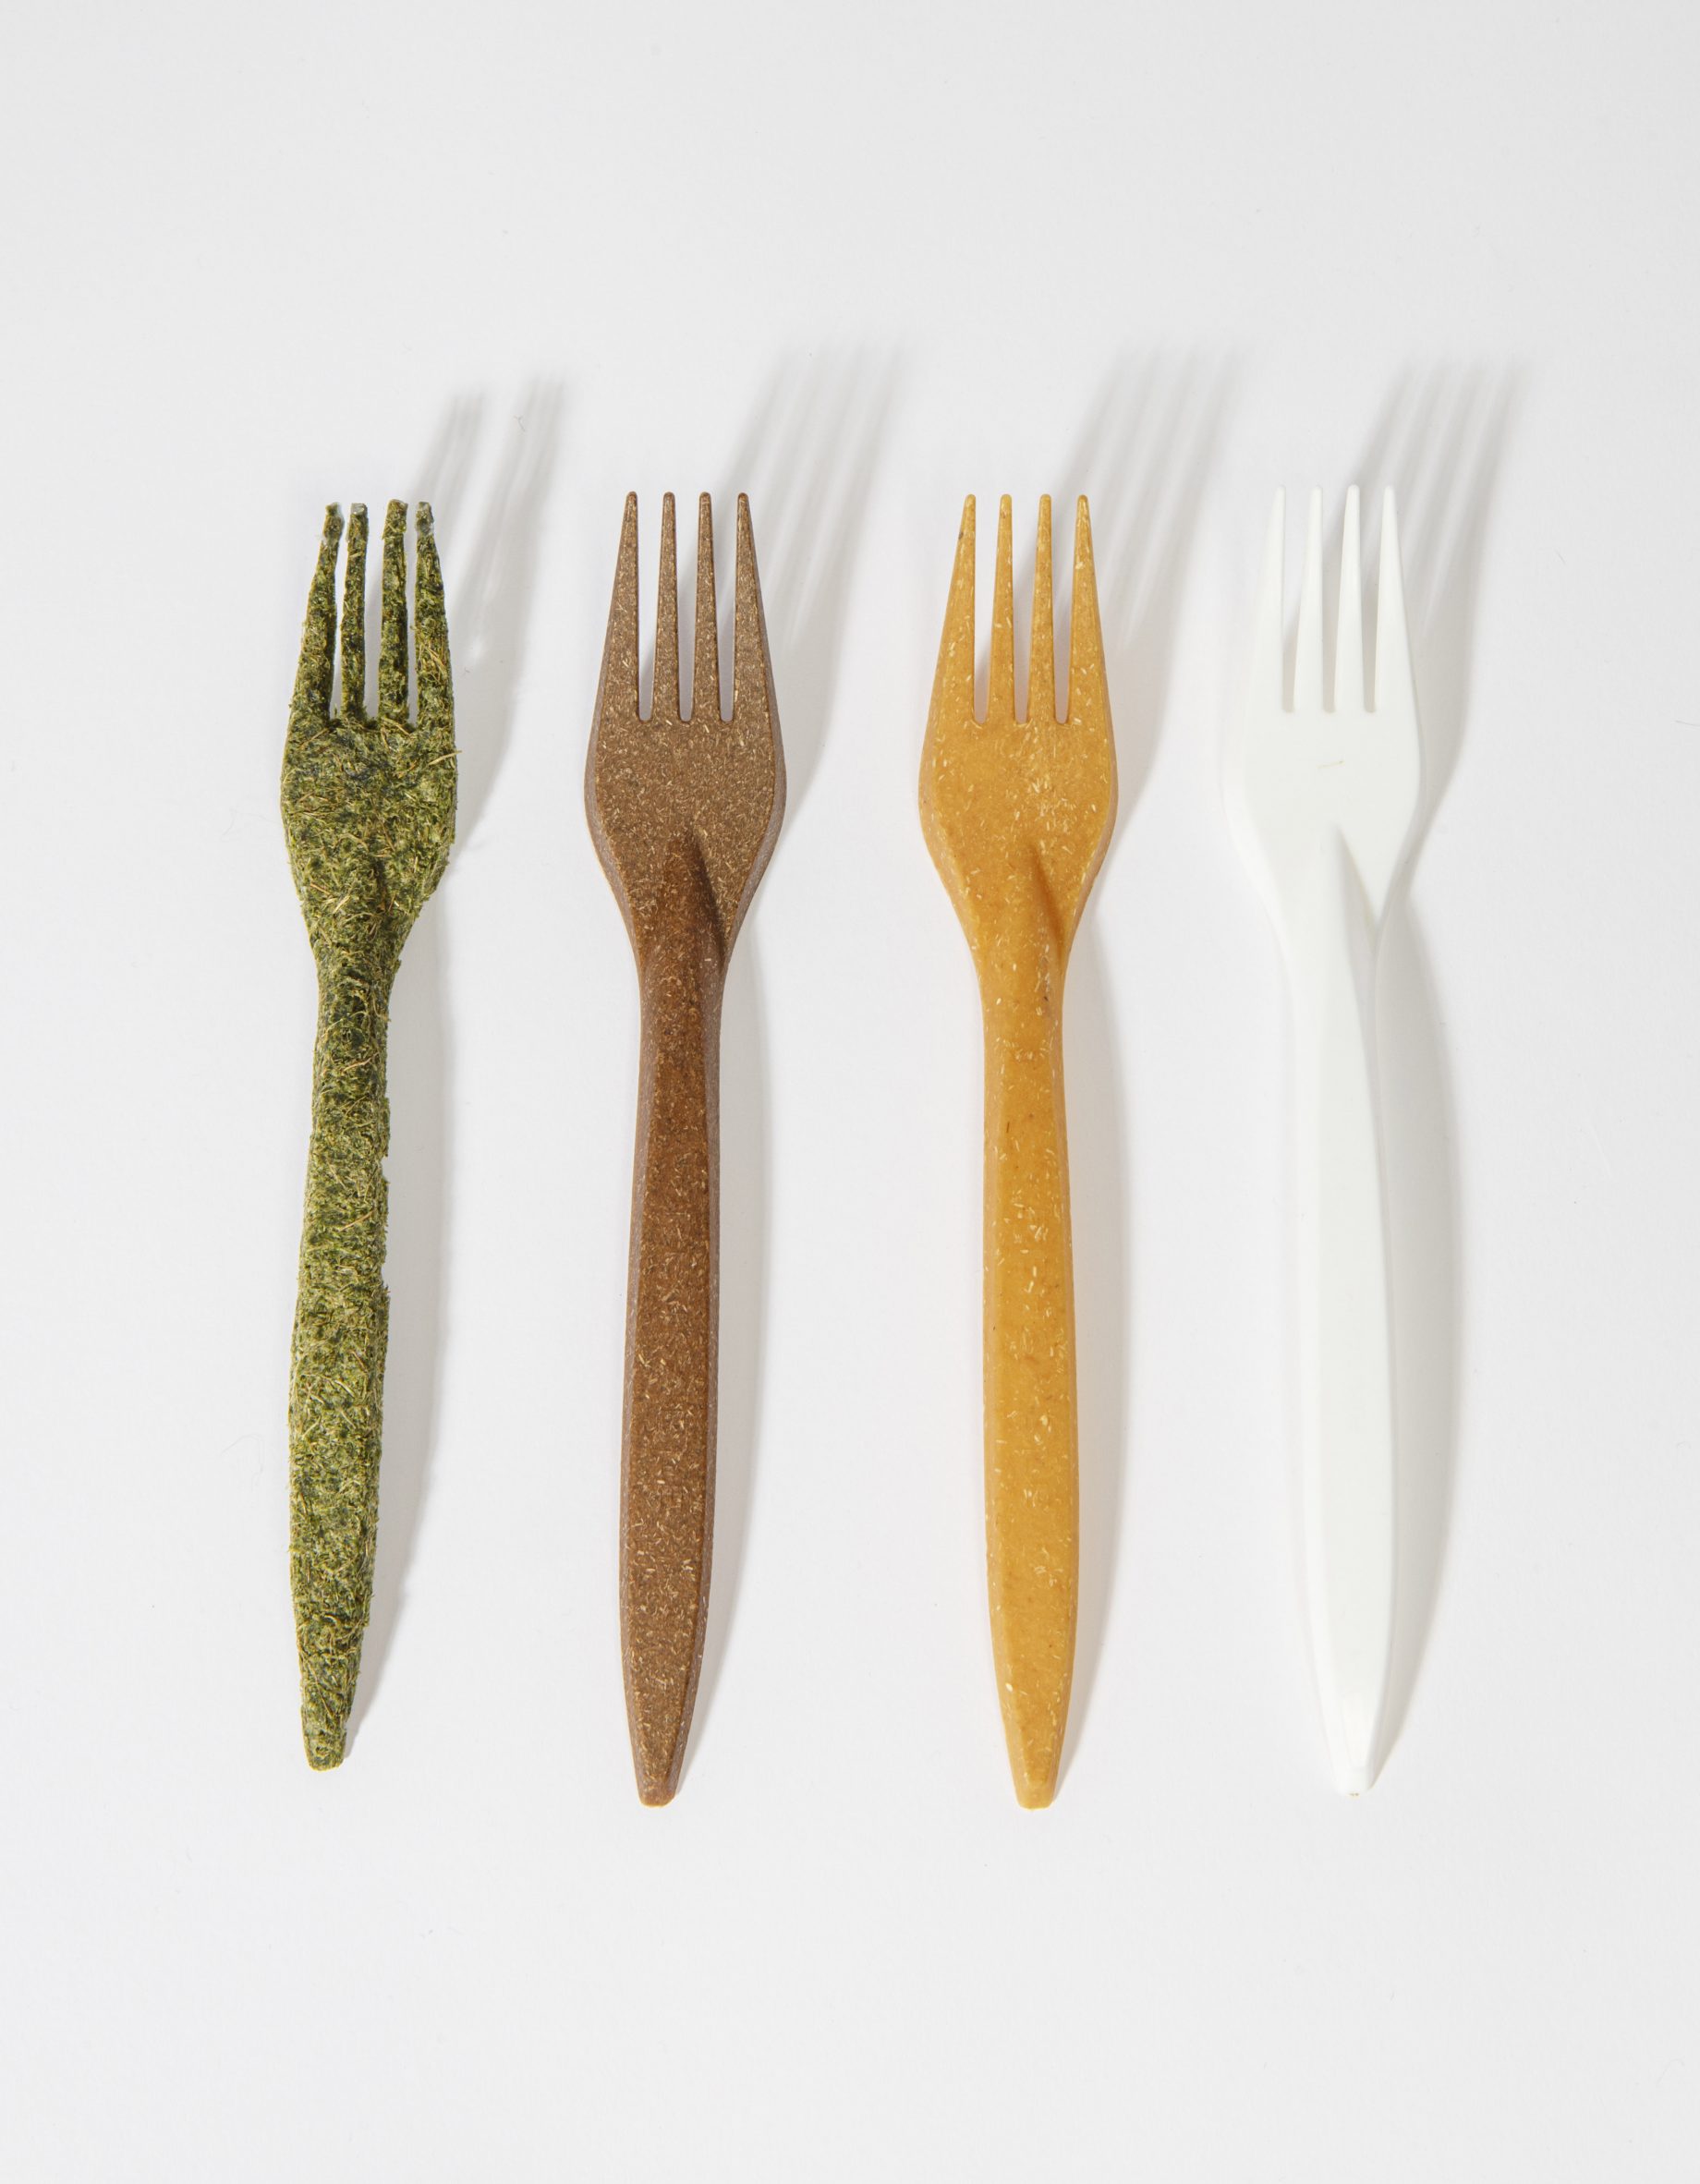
<point>1034,1734</point>
<point>1354,1778</point>
<point>325,1739</point>
<point>658,1783</point>
<point>1034,1792</point>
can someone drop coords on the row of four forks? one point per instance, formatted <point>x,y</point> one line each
<point>685,808</point>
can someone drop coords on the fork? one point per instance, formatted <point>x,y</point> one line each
<point>1018,814</point>
<point>369,815</point>
<point>1322,802</point>
<point>685,811</point>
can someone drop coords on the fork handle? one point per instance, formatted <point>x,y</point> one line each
<point>667,1467</point>
<point>1346,1395</point>
<point>1032,1486</point>
<point>341,1332</point>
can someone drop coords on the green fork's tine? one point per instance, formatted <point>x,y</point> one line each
<point>354,617</point>
<point>393,629</point>
<point>312,704</point>
<point>430,638</point>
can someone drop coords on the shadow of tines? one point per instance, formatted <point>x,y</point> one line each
<point>1143,458</point>
<point>1440,442</point>
<point>807,459</point>
<point>488,585</point>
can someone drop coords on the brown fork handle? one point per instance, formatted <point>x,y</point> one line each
<point>667,1465</point>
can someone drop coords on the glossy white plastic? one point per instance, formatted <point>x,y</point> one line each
<point>1321,800</point>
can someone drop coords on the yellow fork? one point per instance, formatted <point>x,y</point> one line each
<point>1018,814</point>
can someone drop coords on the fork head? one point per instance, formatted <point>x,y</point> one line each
<point>369,800</point>
<point>693,784</point>
<point>1018,813</point>
<point>1303,778</point>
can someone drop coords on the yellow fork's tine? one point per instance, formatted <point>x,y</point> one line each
<point>393,625</point>
<point>705,656</point>
<point>1088,689</point>
<point>354,617</point>
<point>1001,683</point>
<point>1042,652</point>
<point>953,688</point>
<point>665,704</point>
<point>311,702</point>
<point>616,694</point>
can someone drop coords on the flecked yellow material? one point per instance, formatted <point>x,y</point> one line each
<point>1018,815</point>
<point>368,813</point>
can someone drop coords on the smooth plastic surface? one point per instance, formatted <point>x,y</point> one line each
<point>1322,799</point>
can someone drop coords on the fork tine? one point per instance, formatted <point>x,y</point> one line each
<point>1268,675</point>
<point>1001,683</point>
<point>1393,676</point>
<point>393,625</point>
<point>665,704</point>
<point>752,671</point>
<point>430,637</point>
<point>1349,634</point>
<point>1088,692</point>
<point>617,691</point>
<point>953,687</point>
<point>354,617</point>
<point>705,651</point>
<point>1041,651</point>
<point>1307,657</point>
<point>313,674</point>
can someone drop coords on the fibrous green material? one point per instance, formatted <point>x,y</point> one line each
<point>368,811</point>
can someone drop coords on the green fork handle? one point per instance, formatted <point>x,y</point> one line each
<point>341,1329</point>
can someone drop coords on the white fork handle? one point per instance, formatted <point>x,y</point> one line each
<point>1346,1387</point>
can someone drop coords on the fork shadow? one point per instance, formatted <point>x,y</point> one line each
<point>1440,442</point>
<point>489,599</point>
<point>807,458</point>
<point>1143,454</point>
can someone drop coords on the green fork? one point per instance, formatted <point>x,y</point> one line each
<point>368,812</point>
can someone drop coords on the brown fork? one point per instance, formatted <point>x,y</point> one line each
<point>685,811</point>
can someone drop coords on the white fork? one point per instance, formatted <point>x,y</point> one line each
<point>1321,802</point>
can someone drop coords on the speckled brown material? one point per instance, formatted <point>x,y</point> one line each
<point>685,813</point>
<point>1018,814</point>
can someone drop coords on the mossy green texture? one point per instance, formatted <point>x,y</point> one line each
<point>368,813</point>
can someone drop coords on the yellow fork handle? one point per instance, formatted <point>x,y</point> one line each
<point>1032,1473</point>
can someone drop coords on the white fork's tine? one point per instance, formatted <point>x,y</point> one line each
<point>1349,637</point>
<point>1307,659</point>
<point>1268,674</point>
<point>1393,676</point>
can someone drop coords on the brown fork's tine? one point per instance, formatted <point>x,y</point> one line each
<point>705,659</point>
<point>1088,693</point>
<point>617,692</point>
<point>312,676</point>
<point>392,622</point>
<point>354,617</point>
<point>1041,652</point>
<point>752,671</point>
<point>664,703</point>
<point>1000,682</point>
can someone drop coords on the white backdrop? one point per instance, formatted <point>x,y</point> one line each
<point>523,258</point>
